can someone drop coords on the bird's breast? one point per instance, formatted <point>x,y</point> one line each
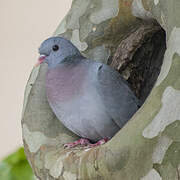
<point>63,84</point>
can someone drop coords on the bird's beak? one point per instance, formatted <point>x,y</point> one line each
<point>40,60</point>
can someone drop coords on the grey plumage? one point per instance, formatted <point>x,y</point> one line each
<point>88,97</point>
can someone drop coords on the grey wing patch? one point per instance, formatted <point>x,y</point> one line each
<point>120,102</point>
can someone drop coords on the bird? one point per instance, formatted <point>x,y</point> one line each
<point>90,98</point>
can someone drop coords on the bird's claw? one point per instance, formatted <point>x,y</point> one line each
<point>85,142</point>
<point>81,141</point>
<point>100,142</point>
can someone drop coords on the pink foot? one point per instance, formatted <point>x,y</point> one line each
<point>100,142</point>
<point>81,141</point>
<point>85,142</point>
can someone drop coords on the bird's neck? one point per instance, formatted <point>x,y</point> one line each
<point>69,61</point>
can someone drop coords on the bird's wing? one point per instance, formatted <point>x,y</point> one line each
<point>120,102</point>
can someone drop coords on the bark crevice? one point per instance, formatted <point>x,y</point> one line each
<point>139,57</point>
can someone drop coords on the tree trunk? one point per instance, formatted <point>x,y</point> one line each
<point>148,146</point>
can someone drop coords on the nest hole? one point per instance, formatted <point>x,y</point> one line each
<point>139,58</point>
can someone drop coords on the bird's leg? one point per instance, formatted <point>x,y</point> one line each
<point>85,142</point>
<point>100,142</point>
<point>81,141</point>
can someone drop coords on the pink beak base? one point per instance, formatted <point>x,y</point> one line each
<point>40,60</point>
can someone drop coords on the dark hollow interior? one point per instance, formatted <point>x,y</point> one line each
<point>143,67</point>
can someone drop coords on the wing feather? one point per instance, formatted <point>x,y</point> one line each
<point>119,100</point>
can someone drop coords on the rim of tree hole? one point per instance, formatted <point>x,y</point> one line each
<point>136,48</point>
<point>139,57</point>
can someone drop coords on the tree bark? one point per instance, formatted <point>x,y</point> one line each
<point>148,146</point>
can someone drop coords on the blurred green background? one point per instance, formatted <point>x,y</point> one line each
<point>16,167</point>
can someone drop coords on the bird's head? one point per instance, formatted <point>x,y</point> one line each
<point>55,50</point>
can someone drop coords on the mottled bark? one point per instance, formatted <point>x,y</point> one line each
<point>148,147</point>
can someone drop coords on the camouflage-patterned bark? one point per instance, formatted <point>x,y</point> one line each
<point>148,147</point>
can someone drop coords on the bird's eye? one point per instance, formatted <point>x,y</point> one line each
<point>55,47</point>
